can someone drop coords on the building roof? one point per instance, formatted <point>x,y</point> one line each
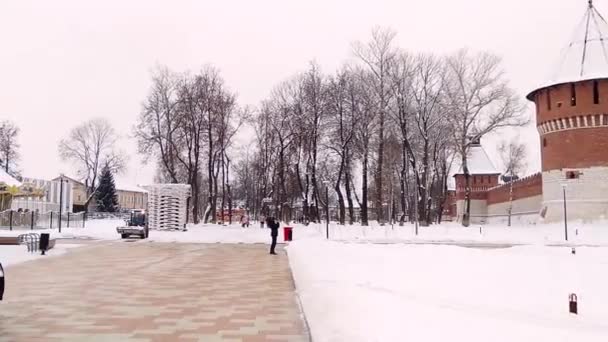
<point>8,179</point>
<point>585,57</point>
<point>73,180</point>
<point>478,162</point>
<point>120,185</point>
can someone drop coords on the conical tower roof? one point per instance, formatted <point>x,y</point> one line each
<point>585,57</point>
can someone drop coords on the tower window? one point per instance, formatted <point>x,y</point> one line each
<point>572,94</point>
<point>548,99</point>
<point>596,93</point>
<point>544,142</point>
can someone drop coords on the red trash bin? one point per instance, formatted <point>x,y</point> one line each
<point>287,233</point>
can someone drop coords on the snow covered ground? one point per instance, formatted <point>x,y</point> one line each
<point>542,234</point>
<point>201,233</point>
<point>11,255</point>
<point>372,292</point>
<point>551,234</point>
<point>384,283</point>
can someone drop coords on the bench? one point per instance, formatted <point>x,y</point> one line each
<point>9,240</point>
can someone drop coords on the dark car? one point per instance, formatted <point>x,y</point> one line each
<point>1,281</point>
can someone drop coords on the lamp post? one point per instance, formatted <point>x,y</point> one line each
<point>510,199</point>
<point>60,200</point>
<point>564,185</point>
<point>326,209</point>
<point>416,212</point>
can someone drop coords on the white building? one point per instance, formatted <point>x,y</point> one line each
<point>50,202</point>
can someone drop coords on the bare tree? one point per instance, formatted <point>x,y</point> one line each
<point>479,101</point>
<point>513,155</point>
<point>342,121</point>
<point>402,75</point>
<point>378,55</point>
<point>9,147</point>
<point>159,121</point>
<point>364,135</point>
<point>429,119</point>
<point>91,147</point>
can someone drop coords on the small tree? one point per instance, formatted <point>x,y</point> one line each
<point>9,147</point>
<point>513,156</point>
<point>90,146</point>
<point>107,200</point>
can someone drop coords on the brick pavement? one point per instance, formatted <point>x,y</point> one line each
<point>143,291</point>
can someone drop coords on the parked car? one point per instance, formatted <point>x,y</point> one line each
<point>1,281</point>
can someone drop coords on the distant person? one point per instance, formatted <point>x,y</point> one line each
<point>262,222</point>
<point>245,221</point>
<point>274,232</point>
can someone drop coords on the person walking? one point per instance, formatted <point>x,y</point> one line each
<point>274,232</point>
<point>245,221</point>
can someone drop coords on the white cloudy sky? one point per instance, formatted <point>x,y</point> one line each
<point>63,62</point>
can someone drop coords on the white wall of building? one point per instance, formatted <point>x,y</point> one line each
<point>525,211</point>
<point>50,202</point>
<point>586,196</point>
<point>479,211</point>
<point>524,205</point>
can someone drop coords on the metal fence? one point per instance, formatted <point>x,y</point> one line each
<point>32,240</point>
<point>11,219</point>
<point>108,216</point>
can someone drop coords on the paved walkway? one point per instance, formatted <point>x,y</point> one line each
<point>143,291</point>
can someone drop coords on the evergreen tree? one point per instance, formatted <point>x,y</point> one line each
<point>107,200</point>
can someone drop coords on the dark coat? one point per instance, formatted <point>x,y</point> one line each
<point>274,227</point>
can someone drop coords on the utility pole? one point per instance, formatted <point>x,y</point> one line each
<point>327,210</point>
<point>565,213</point>
<point>510,199</point>
<point>60,200</point>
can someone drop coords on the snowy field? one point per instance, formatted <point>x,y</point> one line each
<point>595,234</point>
<point>371,292</point>
<point>384,283</point>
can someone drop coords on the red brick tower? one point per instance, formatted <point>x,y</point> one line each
<point>572,120</point>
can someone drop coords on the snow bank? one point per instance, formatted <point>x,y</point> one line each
<point>11,255</point>
<point>365,292</point>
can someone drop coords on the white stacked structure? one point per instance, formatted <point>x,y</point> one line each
<point>167,206</point>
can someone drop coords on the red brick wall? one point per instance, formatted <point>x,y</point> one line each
<point>523,188</point>
<point>573,146</point>
<point>561,93</point>
<point>479,186</point>
<point>577,148</point>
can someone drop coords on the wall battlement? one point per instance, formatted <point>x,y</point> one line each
<point>522,188</point>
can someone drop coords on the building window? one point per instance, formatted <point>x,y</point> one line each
<point>549,99</point>
<point>596,93</point>
<point>544,142</point>
<point>572,95</point>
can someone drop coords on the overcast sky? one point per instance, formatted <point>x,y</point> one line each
<point>63,62</point>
